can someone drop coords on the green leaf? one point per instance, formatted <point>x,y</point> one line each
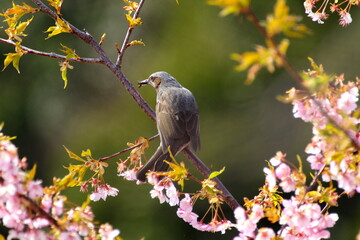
<point>64,77</point>
<point>13,58</point>
<point>73,155</point>
<point>31,174</point>
<point>216,173</point>
<point>86,153</point>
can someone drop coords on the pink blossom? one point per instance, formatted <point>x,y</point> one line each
<point>157,192</point>
<point>69,236</point>
<point>35,189</point>
<point>37,222</point>
<point>318,16</point>
<point>345,18</point>
<point>46,202</point>
<point>102,192</point>
<point>186,204</point>
<point>152,178</point>
<point>164,190</point>
<point>316,146</point>
<point>347,101</point>
<point>347,181</point>
<point>256,213</point>
<point>301,111</point>
<point>248,228</point>
<point>7,190</point>
<point>213,226</point>
<point>58,207</point>
<point>107,232</point>
<point>222,226</point>
<point>241,237</point>
<point>309,5</point>
<point>305,219</point>
<point>265,234</point>
<point>31,234</point>
<point>95,196</point>
<point>328,220</point>
<point>282,171</point>
<point>288,184</point>
<point>316,161</point>
<point>270,178</point>
<point>172,194</point>
<point>185,210</point>
<point>240,215</point>
<point>129,175</point>
<point>275,161</point>
<point>245,225</point>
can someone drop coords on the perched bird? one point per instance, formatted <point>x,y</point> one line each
<point>177,121</point>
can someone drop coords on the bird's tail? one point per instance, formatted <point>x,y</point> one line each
<point>156,164</point>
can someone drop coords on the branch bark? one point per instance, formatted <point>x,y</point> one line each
<point>127,36</point>
<point>36,208</point>
<point>53,55</point>
<point>87,38</point>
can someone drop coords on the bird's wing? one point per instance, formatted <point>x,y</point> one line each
<point>171,124</point>
<point>193,129</point>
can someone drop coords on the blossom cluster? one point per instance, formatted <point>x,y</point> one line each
<point>320,14</point>
<point>246,224</point>
<point>185,211</point>
<point>32,211</point>
<point>301,216</point>
<point>333,148</point>
<point>332,154</point>
<point>164,189</point>
<point>76,176</point>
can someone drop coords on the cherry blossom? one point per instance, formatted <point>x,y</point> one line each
<point>345,18</point>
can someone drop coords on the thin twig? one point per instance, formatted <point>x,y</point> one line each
<point>41,212</point>
<point>53,55</point>
<point>127,36</point>
<point>287,65</point>
<point>127,149</point>
<point>317,176</point>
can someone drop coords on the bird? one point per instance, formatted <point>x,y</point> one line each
<point>177,121</point>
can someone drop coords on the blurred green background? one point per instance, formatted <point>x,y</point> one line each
<point>241,126</point>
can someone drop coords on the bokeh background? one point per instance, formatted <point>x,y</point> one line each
<point>241,126</point>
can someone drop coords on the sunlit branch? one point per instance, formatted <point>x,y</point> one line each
<point>127,36</point>
<point>205,171</point>
<point>87,38</point>
<point>53,55</point>
<point>127,149</point>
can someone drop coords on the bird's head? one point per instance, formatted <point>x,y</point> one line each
<point>160,79</point>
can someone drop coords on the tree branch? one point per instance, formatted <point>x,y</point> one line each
<point>127,36</point>
<point>53,55</point>
<point>87,38</point>
<point>205,171</point>
<point>316,178</point>
<point>41,212</point>
<point>127,149</point>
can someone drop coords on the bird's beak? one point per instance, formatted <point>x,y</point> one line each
<point>144,82</point>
